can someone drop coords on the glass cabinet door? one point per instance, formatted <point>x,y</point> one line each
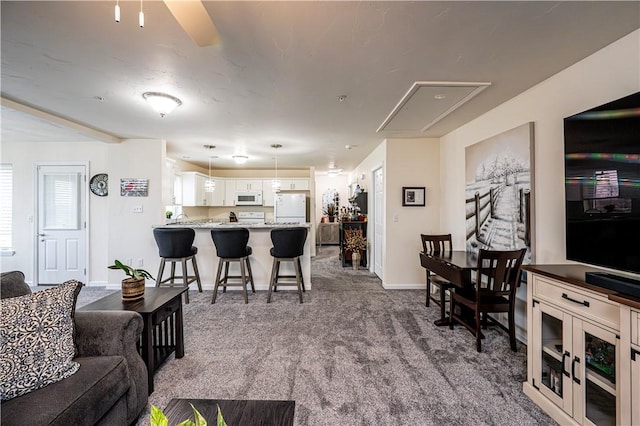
<point>595,372</point>
<point>553,354</point>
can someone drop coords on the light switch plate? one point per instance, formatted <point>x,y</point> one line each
<point>137,209</point>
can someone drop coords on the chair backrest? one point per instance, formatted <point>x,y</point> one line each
<point>174,242</point>
<point>436,243</point>
<point>498,272</point>
<point>288,242</point>
<point>231,243</point>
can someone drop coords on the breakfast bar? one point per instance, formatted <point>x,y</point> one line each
<point>260,242</point>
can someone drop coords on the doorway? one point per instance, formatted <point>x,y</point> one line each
<point>378,220</point>
<point>61,245</point>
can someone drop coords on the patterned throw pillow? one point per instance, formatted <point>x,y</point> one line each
<point>36,339</point>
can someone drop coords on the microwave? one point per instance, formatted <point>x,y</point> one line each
<point>248,198</point>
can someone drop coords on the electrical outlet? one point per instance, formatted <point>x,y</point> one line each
<point>137,209</point>
<point>128,261</point>
<point>396,217</point>
<point>140,263</point>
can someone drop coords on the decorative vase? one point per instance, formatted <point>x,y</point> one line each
<point>355,260</point>
<point>332,218</point>
<point>132,289</point>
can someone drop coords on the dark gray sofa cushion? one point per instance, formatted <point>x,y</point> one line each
<point>13,284</point>
<point>82,399</point>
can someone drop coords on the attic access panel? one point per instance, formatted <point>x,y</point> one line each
<point>428,102</point>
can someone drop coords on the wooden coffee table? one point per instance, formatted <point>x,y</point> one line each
<point>161,310</point>
<point>235,412</point>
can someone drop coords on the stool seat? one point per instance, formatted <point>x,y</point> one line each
<point>175,245</point>
<point>231,246</point>
<point>288,245</point>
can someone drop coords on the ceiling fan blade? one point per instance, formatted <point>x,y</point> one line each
<point>195,21</point>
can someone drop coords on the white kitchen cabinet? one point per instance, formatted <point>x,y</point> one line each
<point>230,192</point>
<point>248,185</point>
<point>574,352</point>
<point>195,194</point>
<point>168,178</point>
<point>290,184</point>
<point>217,197</point>
<point>268,194</point>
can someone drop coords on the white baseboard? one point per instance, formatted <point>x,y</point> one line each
<point>407,286</point>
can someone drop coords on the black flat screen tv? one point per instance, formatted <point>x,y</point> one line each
<point>602,185</point>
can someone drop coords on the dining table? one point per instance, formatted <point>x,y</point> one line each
<point>454,266</point>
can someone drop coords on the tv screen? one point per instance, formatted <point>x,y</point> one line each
<point>602,185</point>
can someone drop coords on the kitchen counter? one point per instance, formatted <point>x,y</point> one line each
<point>261,260</point>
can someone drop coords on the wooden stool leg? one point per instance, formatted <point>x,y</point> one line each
<point>253,287</point>
<point>297,268</point>
<point>185,279</point>
<point>301,275</point>
<point>217,283</point>
<point>160,272</point>
<point>243,276</point>
<point>196,273</point>
<point>173,271</point>
<point>275,281</point>
<point>272,279</point>
<point>226,277</point>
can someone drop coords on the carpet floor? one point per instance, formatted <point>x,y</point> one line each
<point>351,354</point>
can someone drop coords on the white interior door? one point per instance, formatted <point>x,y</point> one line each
<point>378,220</point>
<point>61,211</point>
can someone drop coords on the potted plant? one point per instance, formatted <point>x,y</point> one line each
<point>133,286</point>
<point>331,212</point>
<point>355,242</point>
<point>158,418</point>
<point>168,214</point>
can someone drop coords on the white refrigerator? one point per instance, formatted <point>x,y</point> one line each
<point>290,208</point>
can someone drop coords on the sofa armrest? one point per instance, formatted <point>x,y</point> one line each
<point>100,333</point>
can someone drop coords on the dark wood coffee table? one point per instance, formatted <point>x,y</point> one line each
<point>161,310</point>
<point>235,412</point>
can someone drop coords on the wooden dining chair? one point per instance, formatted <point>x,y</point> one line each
<point>497,279</point>
<point>436,244</point>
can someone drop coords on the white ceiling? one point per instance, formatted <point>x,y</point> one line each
<point>280,68</point>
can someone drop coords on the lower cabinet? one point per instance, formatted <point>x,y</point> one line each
<point>574,365</point>
<point>329,233</point>
<point>580,369</point>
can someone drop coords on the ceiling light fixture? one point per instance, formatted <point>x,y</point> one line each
<point>210,184</point>
<point>162,103</point>
<point>276,184</point>
<point>240,159</point>
<point>117,11</point>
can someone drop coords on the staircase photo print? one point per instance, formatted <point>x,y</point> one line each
<point>498,200</point>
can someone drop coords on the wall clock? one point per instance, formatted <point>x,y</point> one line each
<point>99,184</point>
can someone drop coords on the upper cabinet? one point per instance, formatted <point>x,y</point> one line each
<point>294,184</point>
<point>230,192</point>
<point>268,197</point>
<point>195,194</point>
<point>248,185</point>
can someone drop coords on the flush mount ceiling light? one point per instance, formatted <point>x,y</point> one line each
<point>240,159</point>
<point>162,103</point>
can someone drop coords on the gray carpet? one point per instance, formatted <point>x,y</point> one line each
<point>352,354</point>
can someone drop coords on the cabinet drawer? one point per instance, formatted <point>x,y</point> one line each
<point>582,302</point>
<point>635,327</point>
<point>165,311</point>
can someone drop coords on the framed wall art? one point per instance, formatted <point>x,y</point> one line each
<point>413,196</point>
<point>134,187</point>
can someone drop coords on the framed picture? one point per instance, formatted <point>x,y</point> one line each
<point>134,187</point>
<point>413,196</point>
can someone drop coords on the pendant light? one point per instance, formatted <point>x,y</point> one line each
<point>210,184</point>
<point>117,11</point>
<point>276,184</point>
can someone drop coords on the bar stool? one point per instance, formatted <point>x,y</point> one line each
<point>288,245</point>
<point>176,245</point>
<point>231,246</point>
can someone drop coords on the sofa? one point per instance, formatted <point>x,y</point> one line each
<point>110,385</point>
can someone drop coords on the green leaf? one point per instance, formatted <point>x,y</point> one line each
<point>200,421</point>
<point>221,421</point>
<point>187,422</point>
<point>157,417</point>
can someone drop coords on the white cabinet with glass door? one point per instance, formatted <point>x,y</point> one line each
<point>574,353</point>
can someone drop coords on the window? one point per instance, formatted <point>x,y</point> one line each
<point>6,207</point>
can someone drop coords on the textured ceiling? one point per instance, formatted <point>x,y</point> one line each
<point>280,67</point>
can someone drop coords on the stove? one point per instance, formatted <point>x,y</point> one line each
<point>251,217</point>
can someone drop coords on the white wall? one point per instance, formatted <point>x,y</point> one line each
<point>114,231</point>
<point>609,74</point>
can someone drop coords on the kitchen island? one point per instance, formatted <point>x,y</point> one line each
<point>261,260</point>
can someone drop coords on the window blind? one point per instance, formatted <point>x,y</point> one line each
<point>6,206</point>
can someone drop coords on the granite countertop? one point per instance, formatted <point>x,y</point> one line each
<point>209,224</point>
